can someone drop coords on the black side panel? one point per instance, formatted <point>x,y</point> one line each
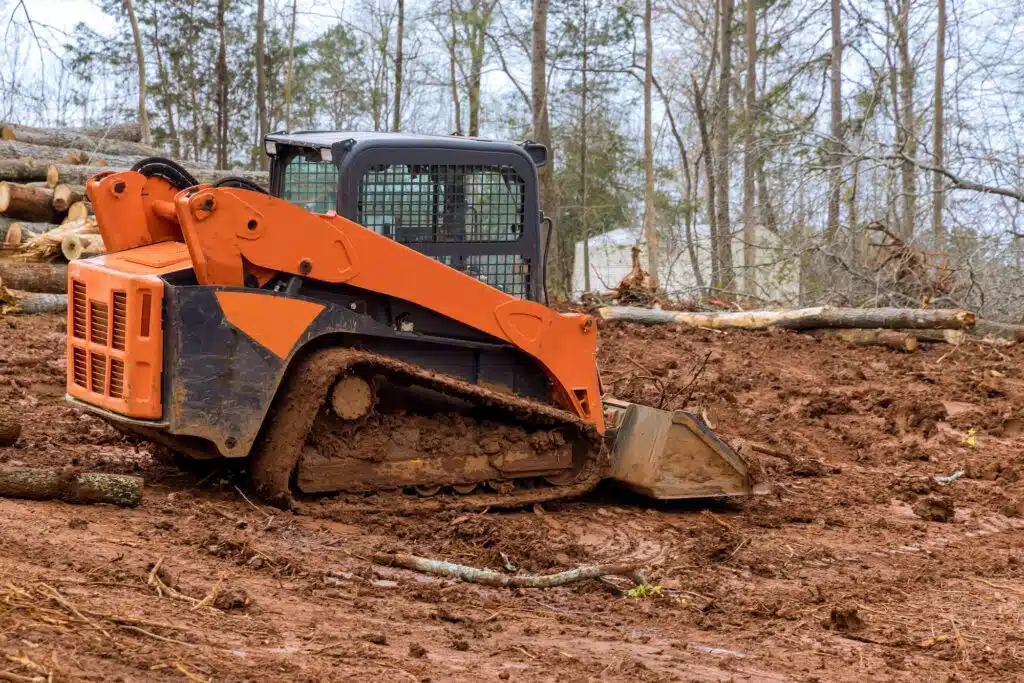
<point>219,383</point>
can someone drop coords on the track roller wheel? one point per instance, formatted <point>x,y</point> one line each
<point>427,491</point>
<point>464,489</point>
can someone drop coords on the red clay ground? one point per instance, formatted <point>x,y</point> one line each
<point>833,577</point>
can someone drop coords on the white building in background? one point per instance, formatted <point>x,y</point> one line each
<point>777,273</point>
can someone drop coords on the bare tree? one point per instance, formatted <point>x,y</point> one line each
<point>907,131</point>
<point>399,58</point>
<point>939,196</point>
<point>650,227</point>
<point>222,85</point>
<point>749,165</point>
<point>288,76</point>
<point>585,58</point>
<point>721,154</point>
<point>261,79</point>
<point>542,132</point>
<point>452,60</point>
<point>141,62</point>
<point>836,129</point>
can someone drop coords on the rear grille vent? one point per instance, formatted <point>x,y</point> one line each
<point>78,309</point>
<point>98,323</point>
<point>99,373</point>
<point>116,378</point>
<point>80,367</point>
<point>120,305</point>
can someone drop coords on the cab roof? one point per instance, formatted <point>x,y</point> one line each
<point>362,139</point>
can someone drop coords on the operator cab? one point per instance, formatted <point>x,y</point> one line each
<point>469,203</point>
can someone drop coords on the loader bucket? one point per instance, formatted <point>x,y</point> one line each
<point>671,454</point>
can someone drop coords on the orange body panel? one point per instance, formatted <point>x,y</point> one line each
<point>273,321</point>
<point>115,339</point>
<point>228,229</point>
<point>133,210</point>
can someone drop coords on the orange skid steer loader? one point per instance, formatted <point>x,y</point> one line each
<point>372,323</point>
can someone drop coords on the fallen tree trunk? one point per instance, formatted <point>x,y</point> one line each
<point>81,246</point>
<point>10,428</point>
<point>12,149</point>
<point>994,330</point>
<point>129,132</point>
<point>488,577</point>
<point>28,170</point>
<point>31,303</point>
<point>77,211</point>
<point>799,319</point>
<point>27,202</point>
<point>48,278</point>
<point>82,489</point>
<point>891,339</point>
<point>24,229</point>
<point>65,137</point>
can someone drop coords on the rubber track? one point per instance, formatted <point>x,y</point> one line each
<point>305,391</point>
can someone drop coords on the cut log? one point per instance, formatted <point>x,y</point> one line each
<point>12,149</point>
<point>81,488</point>
<point>891,339</point>
<point>47,246</point>
<point>799,319</point>
<point>12,240</point>
<point>10,428</point>
<point>65,195</point>
<point>48,278</point>
<point>954,337</point>
<point>78,211</point>
<point>63,137</point>
<point>129,132</point>
<point>26,202</point>
<point>994,330</point>
<point>26,170</point>
<point>30,303</point>
<point>81,246</point>
<point>28,230</point>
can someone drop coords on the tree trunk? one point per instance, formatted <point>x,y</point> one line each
<point>477,41</point>
<point>892,339</point>
<point>989,328</point>
<point>835,144</point>
<point>77,211</point>
<point>542,133</point>
<point>721,128</point>
<point>908,138</point>
<point>953,337</point>
<point>141,64</point>
<point>47,278</point>
<point>222,85</point>
<point>129,132</point>
<point>84,488</point>
<point>650,223</point>
<point>27,202</point>
<point>28,170</point>
<point>800,319</point>
<point>70,138</point>
<point>709,182</point>
<point>261,81</point>
<point>31,303</point>
<point>15,149</point>
<point>451,73</point>
<point>79,175</point>
<point>939,195</point>
<point>749,171</point>
<point>288,76</point>
<point>399,61</point>
<point>172,129</point>
<point>584,231</point>
<point>24,229</point>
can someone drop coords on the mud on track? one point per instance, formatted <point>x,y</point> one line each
<point>832,578</point>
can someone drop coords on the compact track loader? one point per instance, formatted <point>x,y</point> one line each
<point>373,322</point>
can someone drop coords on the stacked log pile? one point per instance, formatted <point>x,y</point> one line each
<point>46,218</point>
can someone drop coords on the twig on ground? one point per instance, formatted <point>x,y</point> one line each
<point>189,675</point>
<point>252,504</point>
<point>488,577</point>
<point>66,604</point>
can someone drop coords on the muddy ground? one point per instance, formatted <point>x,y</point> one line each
<point>859,566</point>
